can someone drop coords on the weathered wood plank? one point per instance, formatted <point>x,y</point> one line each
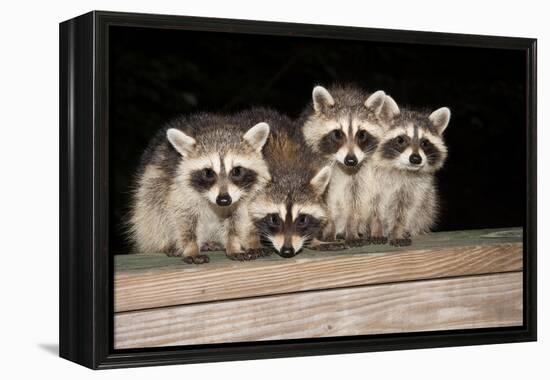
<point>458,303</point>
<point>148,261</point>
<point>441,255</point>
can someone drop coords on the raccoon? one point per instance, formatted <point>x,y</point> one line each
<point>291,210</point>
<point>402,189</point>
<point>344,125</point>
<point>192,187</point>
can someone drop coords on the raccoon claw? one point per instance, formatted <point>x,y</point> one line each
<point>254,253</point>
<point>357,242</point>
<point>378,240</point>
<point>263,252</point>
<point>173,253</point>
<point>211,247</point>
<point>251,254</point>
<point>330,246</point>
<point>197,259</point>
<point>401,242</point>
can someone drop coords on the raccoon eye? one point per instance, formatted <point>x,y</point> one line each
<point>236,172</point>
<point>337,134</point>
<point>208,173</point>
<point>362,135</point>
<point>302,220</point>
<point>400,140</point>
<point>273,220</point>
<point>424,143</point>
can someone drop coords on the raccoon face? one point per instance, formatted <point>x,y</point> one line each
<point>288,222</point>
<point>415,142</point>
<point>347,132</point>
<point>223,177</point>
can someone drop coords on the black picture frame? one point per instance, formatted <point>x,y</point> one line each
<point>86,267</point>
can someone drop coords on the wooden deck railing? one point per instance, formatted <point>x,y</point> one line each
<point>448,280</point>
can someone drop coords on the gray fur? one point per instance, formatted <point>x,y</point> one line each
<point>293,167</point>
<point>352,110</point>
<point>168,215</point>
<point>402,196</point>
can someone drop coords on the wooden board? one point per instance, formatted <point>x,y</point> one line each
<point>445,304</point>
<point>151,281</point>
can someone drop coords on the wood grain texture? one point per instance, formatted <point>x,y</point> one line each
<point>147,282</point>
<point>439,240</point>
<point>446,304</point>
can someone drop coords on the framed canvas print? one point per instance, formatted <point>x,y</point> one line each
<point>237,189</point>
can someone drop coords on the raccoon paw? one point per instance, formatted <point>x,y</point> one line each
<point>197,259</point>
<point>173,253</point>
<point>330,246</point>
<point>401,242</point>
<point>378,239</point>
<point>352,243</point>
<point>210,246</point>
<point>263,252</point>
<point>251,254</point>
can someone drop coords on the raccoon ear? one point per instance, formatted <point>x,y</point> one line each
<point>383,105</point>
<point>376,101</point>
<point>320,182</point>
<point>180,141</point>
<point>322,99</point>
<point>440,119</point>
<point>389,109</point>
<point>257,136</point>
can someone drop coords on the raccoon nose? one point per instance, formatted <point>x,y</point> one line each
<point>223,200</point>
<point>415,159</point>
<point>350,160</point>
<point>287,252</point>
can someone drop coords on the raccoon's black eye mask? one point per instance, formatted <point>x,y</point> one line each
<point>332,141</point>
<point>362,136</point>
<point>236,172</point>
<point>307,224</point>
<point>365,141</point>
<point>400,141</point>
<point>433,155</point>
<point>302,220</point>
<point>303,224</point>
<point>243,177</point>
<point>271,222</point>
<point>208,173</point>
<point>337,135</point>
<point>203,179</point>
<point>425,143</point>
<point>394,147</point>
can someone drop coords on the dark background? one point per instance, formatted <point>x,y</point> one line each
<point>158,74</point>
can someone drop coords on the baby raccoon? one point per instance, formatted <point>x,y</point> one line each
<point>345,125</point>
<point>193,184</point>
<point>291,211</point>
<point>402,189</point>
